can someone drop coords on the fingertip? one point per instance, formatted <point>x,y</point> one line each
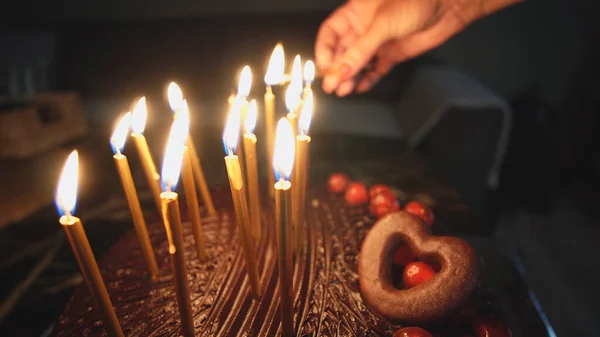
<point>328,84</point>
<point>345,88</point>
<point>323,60</point>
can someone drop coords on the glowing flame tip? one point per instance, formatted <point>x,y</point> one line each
<point>173,159</point>
<point>139,116</point>
<point>309,71</point>
<point>274,74</point>
<point>119,135</point>
<point>245,82</point>
<point>175,96</point>
<point>285,150</point>
<point>66,192</point>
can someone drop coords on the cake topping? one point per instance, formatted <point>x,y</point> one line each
<point>421,210</point>
<point>489,326</point>
<point>417,273</point>
<point>442,294</point>
<point>379,189</point>
<point>356,194</point>
<point>337,182</point>
<point>412,331</point>
<point>382,204</point>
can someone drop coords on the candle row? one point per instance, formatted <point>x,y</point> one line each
<point>287,150</point>
<point>289,157</point>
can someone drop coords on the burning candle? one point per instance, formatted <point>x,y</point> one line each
<point>283,162</point>
<point>300,177</point>
<point>309,77</point>
<point>171,170</point>
<point>252,169</point>
<point>66,199</point>
<point>294,93</point>
<point>189,187</point>
<point>138,124</point>
<point>273,76</point>
<point>177,103</point>
<point>236,182</point>
<point>244,85</point>
<point>117,141</point>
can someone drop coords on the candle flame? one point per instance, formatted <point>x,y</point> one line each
<point>251,115</point>
<point>66,192</point>
<point>173,159</point>
<point>296,80</point>
<point>292,98</point>
<point>175,96</point>
<point>285,150</point>
<point>276,67</point>
<point>245,82</point>
<point>232,129</point>
<point>309,71</point>
<point>306,115</point>
<point>119,135</point>
<point>139,116</point>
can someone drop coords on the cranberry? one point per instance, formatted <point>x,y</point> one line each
<point>383,204</point>
<point>356,194</point>
<point>489,326</point>
<point>378,189</point>
<point>416,273</point>
<point>421,211</point>
<point>404,255</point>
<point>412,331</point>
<point>337,182</point>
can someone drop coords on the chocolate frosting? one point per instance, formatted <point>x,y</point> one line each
<point>441,295</point>
<point>327,302</point>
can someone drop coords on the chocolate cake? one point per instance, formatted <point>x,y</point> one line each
<point>328,299</point>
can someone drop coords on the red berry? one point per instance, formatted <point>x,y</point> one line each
<point>356,194</point>
<point>421,211</point>
<point>412,331</point>
<point>378,189</point>
<point>404,255</point>
<point>488,326</point>
<point>417,273</point>
<point>337,182</point>
<point>383,204</point>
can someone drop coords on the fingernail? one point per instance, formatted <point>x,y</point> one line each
<point>344,72</point>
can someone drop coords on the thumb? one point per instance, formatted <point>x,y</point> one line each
<point>358,55</point>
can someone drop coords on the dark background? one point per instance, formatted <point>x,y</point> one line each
<point>540,55</point>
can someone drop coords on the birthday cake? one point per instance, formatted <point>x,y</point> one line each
<point>339,290</point>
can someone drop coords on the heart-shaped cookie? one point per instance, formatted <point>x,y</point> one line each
<point>442,294</point>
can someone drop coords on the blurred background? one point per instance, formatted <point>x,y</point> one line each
<point>505,113</point>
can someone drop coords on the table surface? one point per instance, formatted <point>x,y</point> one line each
<point>38,271</point>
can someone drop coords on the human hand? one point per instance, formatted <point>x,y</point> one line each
<point>387,32</point>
